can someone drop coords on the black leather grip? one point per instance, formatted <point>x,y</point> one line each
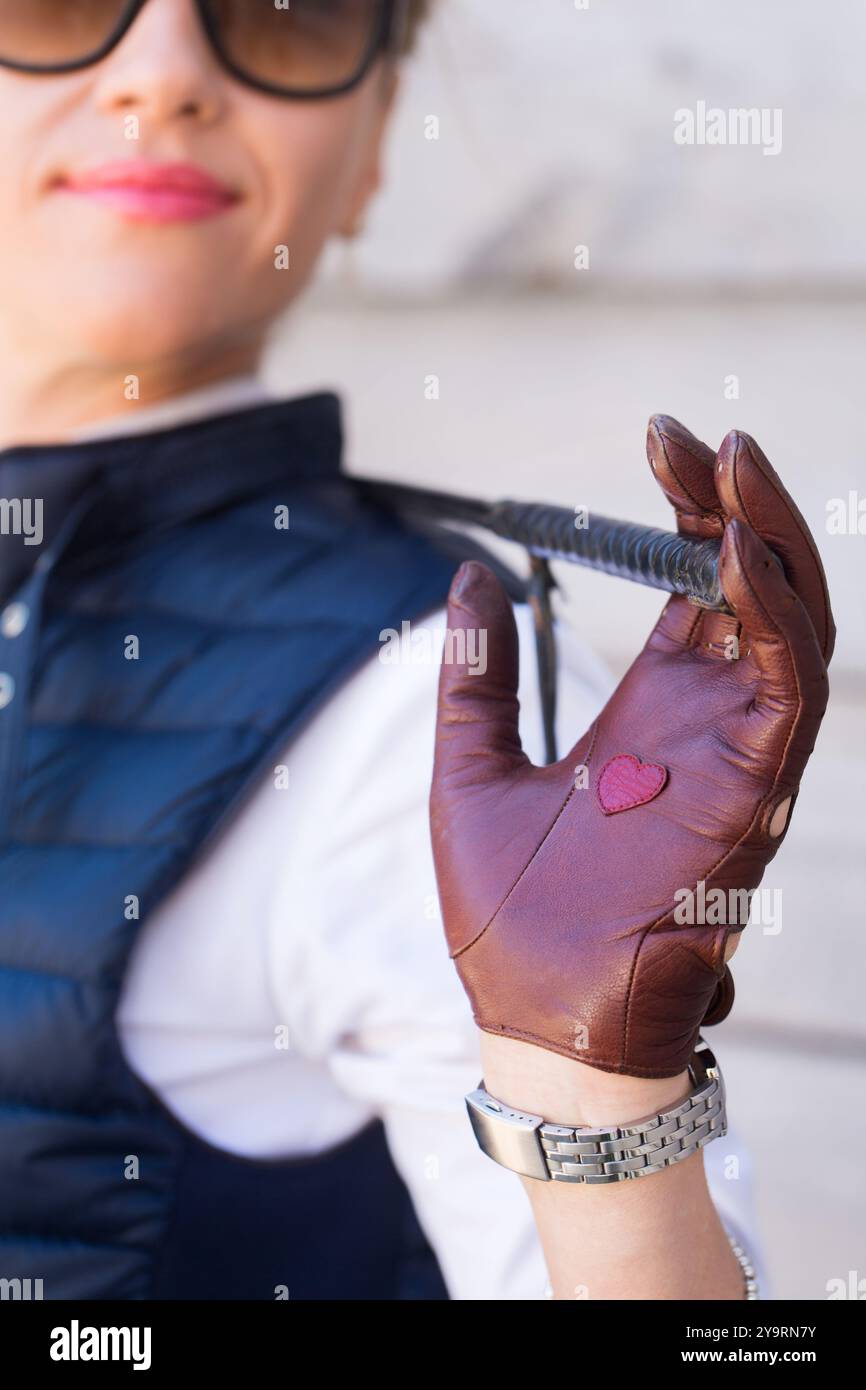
<point>660,559</point>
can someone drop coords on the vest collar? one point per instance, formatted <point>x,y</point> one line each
<point>128,484</point>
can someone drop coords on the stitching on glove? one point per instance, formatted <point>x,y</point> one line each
<point>699,510</point>
<point>526,866</point>
<point>496,911</point>
<point>799,710</point>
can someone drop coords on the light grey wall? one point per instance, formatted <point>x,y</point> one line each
<point>556,128</point>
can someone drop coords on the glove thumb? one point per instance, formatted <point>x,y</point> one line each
<point>477,738</point>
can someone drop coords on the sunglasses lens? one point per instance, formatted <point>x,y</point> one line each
<point>49,33</point>
<point>302,45</point>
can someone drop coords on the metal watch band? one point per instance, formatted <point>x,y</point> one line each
<point>527,1144</point>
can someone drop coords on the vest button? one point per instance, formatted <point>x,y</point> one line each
<point>7,689</point>
<point>13,619</point>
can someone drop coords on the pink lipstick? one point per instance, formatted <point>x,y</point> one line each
<point>146,191</point>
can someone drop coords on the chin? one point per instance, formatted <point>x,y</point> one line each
<point>130,323</point>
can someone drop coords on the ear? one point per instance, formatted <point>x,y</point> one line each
<point>370,175</point>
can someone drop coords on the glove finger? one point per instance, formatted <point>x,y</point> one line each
<point>749,488</point>
<point>684,468</point>
<point>782,647</point>
<point>722,1001</point>
<point>679,978</point>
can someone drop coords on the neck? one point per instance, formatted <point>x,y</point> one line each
<point>52,405</point>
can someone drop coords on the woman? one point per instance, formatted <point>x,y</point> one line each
<point>234,1051</point>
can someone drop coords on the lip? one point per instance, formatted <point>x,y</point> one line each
<point>148,191</point>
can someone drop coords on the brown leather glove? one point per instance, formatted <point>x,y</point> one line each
<point>560,901</point>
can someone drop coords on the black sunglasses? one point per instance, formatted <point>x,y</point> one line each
<point>303,49</point>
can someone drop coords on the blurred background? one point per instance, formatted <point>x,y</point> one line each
<point>545,268</point>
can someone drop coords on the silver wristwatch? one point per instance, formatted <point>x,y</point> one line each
<point>611,1153</point>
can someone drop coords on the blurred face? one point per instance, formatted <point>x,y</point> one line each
<point>149,203</point>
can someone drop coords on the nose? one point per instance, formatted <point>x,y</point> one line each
<point>163,68</point>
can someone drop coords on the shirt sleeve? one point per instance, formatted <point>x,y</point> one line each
<point>359,962</point>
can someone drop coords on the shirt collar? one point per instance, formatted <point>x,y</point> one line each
<point>126,484</point>
<point>232,393</point>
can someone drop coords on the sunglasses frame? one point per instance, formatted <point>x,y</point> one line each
<point>385,33</point>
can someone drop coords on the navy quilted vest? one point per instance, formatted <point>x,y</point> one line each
<point>114,775</point>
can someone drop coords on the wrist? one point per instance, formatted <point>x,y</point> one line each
<point>563,1089</point>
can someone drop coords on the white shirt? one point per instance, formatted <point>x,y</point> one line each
<point>296,983</point>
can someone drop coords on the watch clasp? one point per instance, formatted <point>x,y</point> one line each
<point>510,1137</point>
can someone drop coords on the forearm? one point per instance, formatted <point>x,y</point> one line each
<point>659,1237</point>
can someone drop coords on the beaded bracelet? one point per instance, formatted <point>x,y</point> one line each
<point>749,1276</point>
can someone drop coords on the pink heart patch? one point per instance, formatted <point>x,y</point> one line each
<point>625,782</point>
